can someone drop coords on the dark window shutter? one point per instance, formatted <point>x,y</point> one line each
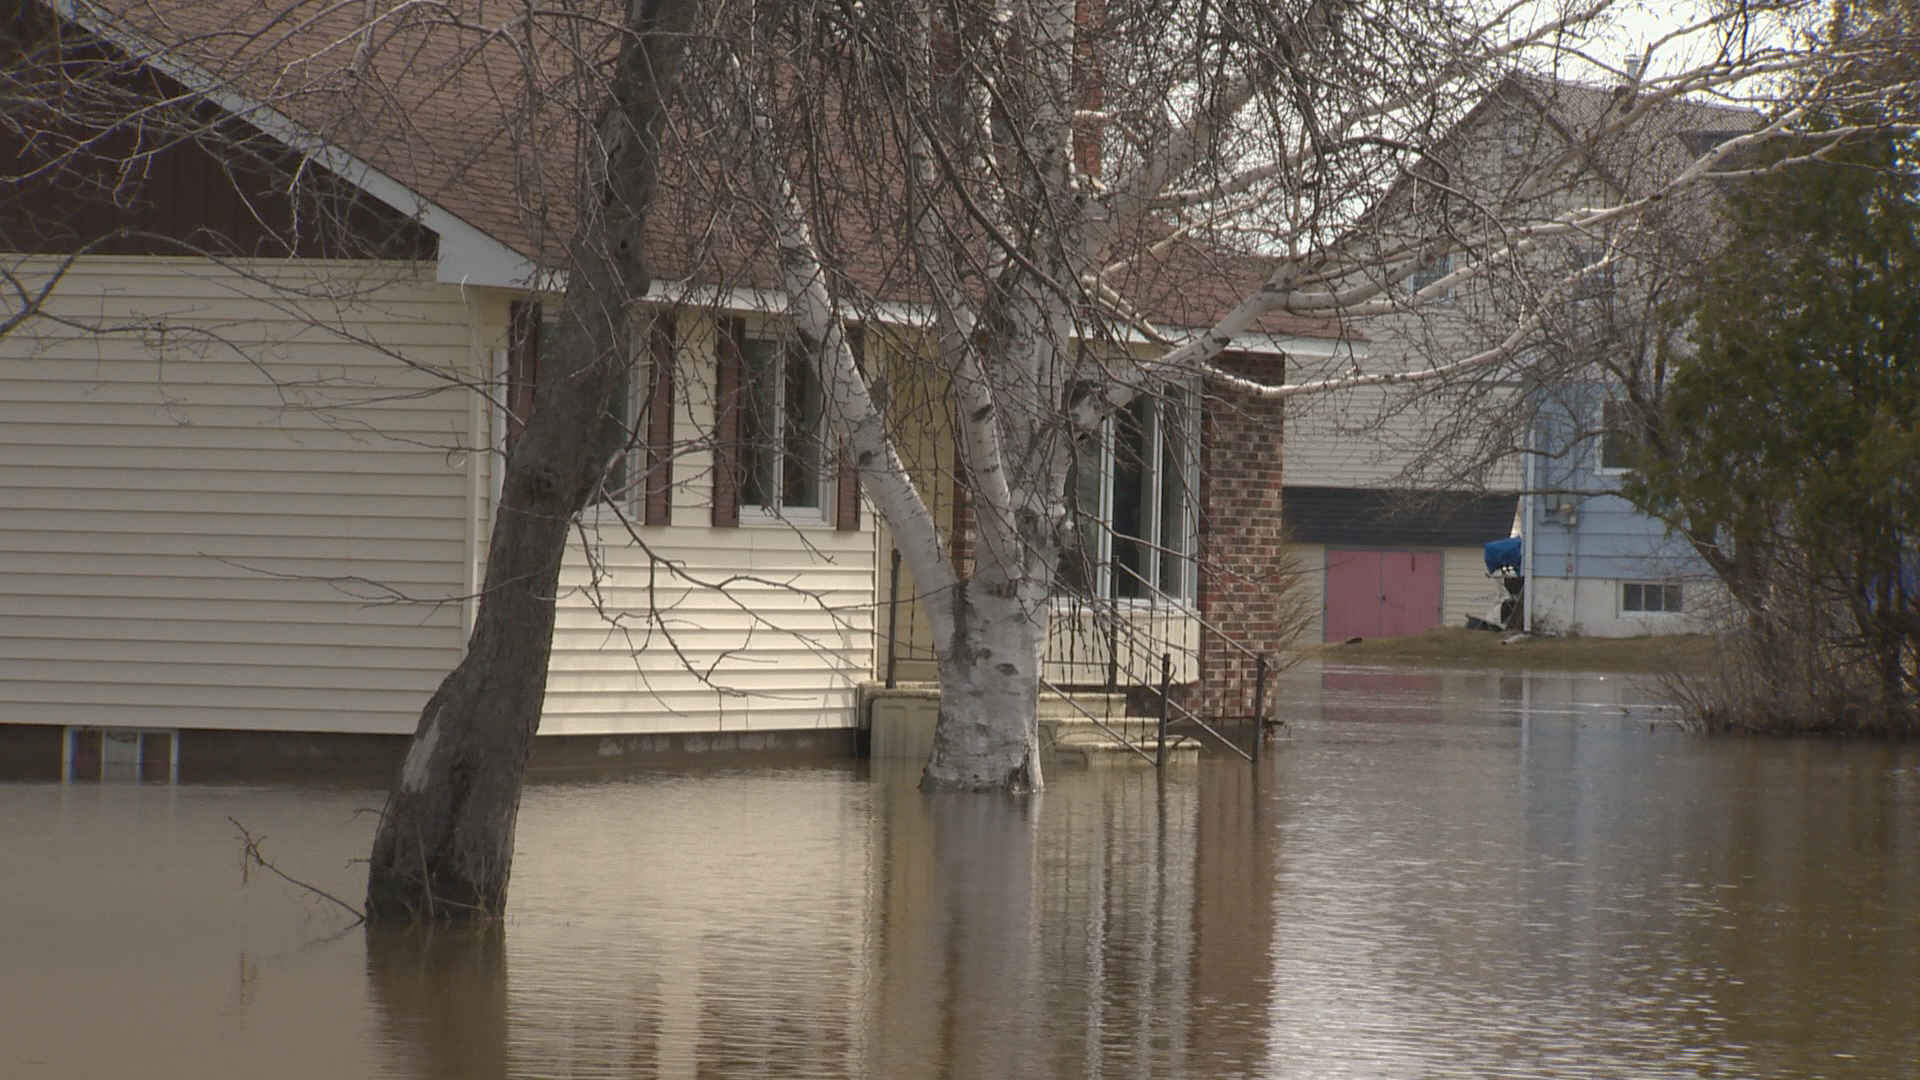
<point>523,365</point>
<point>726,423</point>
<point>659,434</point>
<point>846,509</point>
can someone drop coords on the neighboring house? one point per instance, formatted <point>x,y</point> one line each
<point>1594,564</point>
<point>1376,471</point>
<point>249,456</point>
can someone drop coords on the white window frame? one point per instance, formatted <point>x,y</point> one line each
<point>1100,552</point>
<point>1620,599</point>
<point>759,513</point>
<point>1606,429</point>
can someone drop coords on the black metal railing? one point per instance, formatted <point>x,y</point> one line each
<point>1127,652</point>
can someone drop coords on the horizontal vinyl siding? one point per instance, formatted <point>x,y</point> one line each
<point>237,513</point>
<point>784,644</point>
<point>1079,644</point>
<point>1468,589</point>
<point>760,627</point>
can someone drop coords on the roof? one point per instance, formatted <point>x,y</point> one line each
<point>1376,518</point>
<point>434,110</point>
<point>1670,134</point>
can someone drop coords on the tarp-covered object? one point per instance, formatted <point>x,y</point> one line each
<point>1503,555</point>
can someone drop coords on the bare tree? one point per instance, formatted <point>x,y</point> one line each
<point>1091,203</point>
<point>1058,210</point>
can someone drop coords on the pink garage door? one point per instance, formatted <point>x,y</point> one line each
<point>1381,593</point>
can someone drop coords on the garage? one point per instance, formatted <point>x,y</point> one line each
<point>1389,563</point>
<point>1374,594</point>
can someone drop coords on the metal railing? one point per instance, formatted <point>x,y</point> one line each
<point>1124,643</point>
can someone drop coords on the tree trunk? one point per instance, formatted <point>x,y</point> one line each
<point>988,736</point>
<point>444,849</point>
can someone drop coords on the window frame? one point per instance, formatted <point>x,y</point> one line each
<point>1429,272</point>
<point>1670,593</point>
<point>1101,577</point>
<point>751,511</point>
<point>1611,429</point>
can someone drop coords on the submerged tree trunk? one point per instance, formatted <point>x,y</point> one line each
<point>444,849</point>
<point>987,737</point>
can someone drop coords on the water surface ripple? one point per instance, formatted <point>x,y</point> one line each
<point>1439,874</point>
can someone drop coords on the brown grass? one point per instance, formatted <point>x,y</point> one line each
<point>1673,653</point>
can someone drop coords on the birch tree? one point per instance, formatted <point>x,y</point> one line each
<point>1090,202</point>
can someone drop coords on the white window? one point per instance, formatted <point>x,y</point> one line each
<point>1649,598</point>
<point>1132,498</point>
<point>1616,438</point>
<point>782,428</point>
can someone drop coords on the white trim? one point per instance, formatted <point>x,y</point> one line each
<point>468,256</point>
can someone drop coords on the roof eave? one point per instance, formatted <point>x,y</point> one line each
<point>467,254</point>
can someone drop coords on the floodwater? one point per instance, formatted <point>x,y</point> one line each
<point>1435,875</point>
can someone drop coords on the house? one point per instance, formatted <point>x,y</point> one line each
<point>1522,447</point>
<point>1595,565</point>
<point>249,444</point>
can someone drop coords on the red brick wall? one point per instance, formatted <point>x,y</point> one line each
<point>1243,573</point>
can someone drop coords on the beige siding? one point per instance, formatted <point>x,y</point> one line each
<point>694,628</point>
<point>221,507</point>
<point>1079,645</point>
<point>233,511</point>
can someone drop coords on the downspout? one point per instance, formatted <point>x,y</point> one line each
<point>1527,526</point>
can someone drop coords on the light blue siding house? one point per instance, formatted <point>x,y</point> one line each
<point>1595,565</point>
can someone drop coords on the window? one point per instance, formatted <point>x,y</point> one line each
<point>1435,269</point>
<point>1515,138</point>
<point>1616,437</point>
<point>782,420</point>
<point>635,432</point>
<point>1648,598</point>
<point>1590,274</point>
<point>1130,495</point>
<point>615,440</point>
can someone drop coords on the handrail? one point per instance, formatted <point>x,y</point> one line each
<point>1112,617</point>
<point>1208,728</point>
<point>1124,741</point>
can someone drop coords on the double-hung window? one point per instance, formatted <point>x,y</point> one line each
<point>1131,495</point>
<point>782,429</point>
<point>1616,438</point>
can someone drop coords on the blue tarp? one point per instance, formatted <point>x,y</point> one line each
<point>1503,555</point>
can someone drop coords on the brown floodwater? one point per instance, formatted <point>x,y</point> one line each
<point>1437,874</point>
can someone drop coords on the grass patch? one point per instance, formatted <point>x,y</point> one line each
<point>1684,653</point>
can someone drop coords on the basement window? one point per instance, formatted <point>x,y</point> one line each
<point>132,755</point>
<point>1649,598</point>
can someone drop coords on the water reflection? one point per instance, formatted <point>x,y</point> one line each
<point>1446,874</point>
<point>441,994</point>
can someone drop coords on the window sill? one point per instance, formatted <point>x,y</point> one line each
<point>809,518</point>
<point>1184,607</point>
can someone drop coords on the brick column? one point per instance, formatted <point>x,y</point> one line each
<point>1243,573</point>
